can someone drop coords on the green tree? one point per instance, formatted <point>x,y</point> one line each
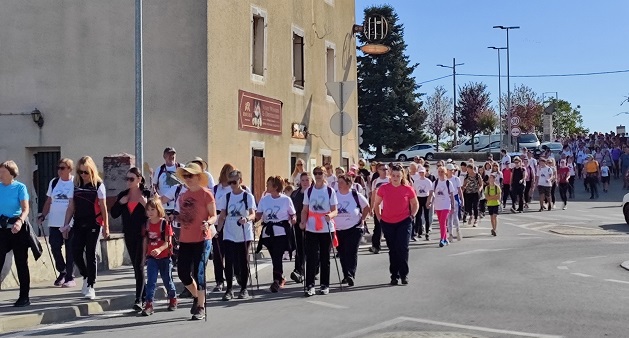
<point>488,121</point>
<point>389,104</point>
<point>439,109</point>
<point>473,103</point>
<point>567,121</point>
<point>526,105</point>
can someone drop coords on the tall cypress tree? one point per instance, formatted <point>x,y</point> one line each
<point>389,105</point>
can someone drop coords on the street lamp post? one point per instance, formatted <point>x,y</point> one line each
<point>507,28</point>
<point>453,67</point>
<point>139,88</point>
<point>499,92</point>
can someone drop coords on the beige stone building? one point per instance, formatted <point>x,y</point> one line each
<point>227,80</point>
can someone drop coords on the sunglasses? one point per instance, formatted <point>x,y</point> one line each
<point>299,164</point>
<point>232,182</point>
<point>82,172</point>
<point>62,168</point>
<point>318,173</point>
<point>130,179</point>
<point>187,176</point>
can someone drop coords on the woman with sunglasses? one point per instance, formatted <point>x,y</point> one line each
<point>277,213</point>
<point>396,219</point>
<point>130,204</point>
<point>197,213</point>
<point>316,219</point>
<point>88,208</point>
<point>298,201</point>
<point>299,169</point>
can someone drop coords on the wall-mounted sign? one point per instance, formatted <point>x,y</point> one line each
<point>259,114</point>
<point>299,130</point>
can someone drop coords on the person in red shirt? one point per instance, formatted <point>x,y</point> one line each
<point>157,249</point>
<point>400,206</point>
<point>506,184</point>
<point>563,174</point>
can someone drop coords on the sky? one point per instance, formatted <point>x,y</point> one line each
<point>555,37</point>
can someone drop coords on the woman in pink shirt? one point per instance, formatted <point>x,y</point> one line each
<point>400,206</point>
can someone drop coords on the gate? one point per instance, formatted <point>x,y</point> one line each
<point>258,181</point>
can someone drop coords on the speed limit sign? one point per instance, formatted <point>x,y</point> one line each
<point>515,121</point>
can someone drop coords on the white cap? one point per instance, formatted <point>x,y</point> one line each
<point>450,166</point>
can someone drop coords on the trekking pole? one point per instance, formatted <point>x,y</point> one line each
<point>206,255</point>
<point>244,238</point>
<point>52,260</point>
<point>338,273</point>
<point>303,258</point>
<point>255,259</point>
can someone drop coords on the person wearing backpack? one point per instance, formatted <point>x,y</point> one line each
<point>236,221</point>
<point>130,205</point>
<point>157,251</point>
<point>423,189</point>
<point>165,177</point>
<point>353,209</point>
<point>457,191</point>
<point>517,184</point>
<point>492,193</point>
<point>277,213</point>
<point>443,202</point>
<point>196,218</point>
<point>382,179</point>
<point>298,201</point>
<point>60,190</point>
<point>472,187</point>
<point>88,208</point>
<point>319,210</point>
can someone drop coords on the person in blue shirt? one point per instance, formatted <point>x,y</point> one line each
<point>13,226</point>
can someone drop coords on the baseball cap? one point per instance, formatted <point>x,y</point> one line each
<point>169,150</point>
<point>450,166</point>
<point>421,170</point>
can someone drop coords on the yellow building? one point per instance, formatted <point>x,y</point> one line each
<point>227,80</point>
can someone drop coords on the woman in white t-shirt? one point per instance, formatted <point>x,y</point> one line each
<point>300,167</point>
<point>544,182</point>
<point>453,217</point>
<point>277,213</point>
<point>353,209</point>
<point>383,178</point>
<point>423,189</point>
<point>443,201</point>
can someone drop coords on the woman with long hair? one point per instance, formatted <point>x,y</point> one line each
<point>443,202</point>
<point>300,167</point>
<point>88,208</point>
<point>131,204</point>
<point>298,201</point>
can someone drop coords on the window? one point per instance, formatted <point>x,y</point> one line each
<point>413,148</point>
<point>298,60</point>
<point>423,147</point>
<point>258,42</point>
<point>329,63</point>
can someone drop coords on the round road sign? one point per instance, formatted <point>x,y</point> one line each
<point>335,124</point>
<point>515,131</point>
<point>515,121</point>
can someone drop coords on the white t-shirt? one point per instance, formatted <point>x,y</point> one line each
<point>60,195</point>
<point>442,199</point>
<point>355,186</point>
<point>376,184</point>
<point>505,160</point>
<point>422,187</point>
<point>571,167</point>
<point>455,184</point>
<point>544,175</point>
<point>604,171</point>
<point>349,214</point>
<point>232,231</point>
<point>165,182</point>
<point>276,210</point>
<point>331,179</point>
<point>297,180</point>
<point>210,180</point>
<point>319,202</point>
<point>533,164</point>
<point>220,191</point>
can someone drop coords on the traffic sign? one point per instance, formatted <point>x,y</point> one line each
<point>515,131</point>
<point>335,124</point>
<point>341,91</point>
<point>515,121</point>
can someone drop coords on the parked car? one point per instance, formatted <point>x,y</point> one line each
<point>555,148</point>
<point>480,141</point>
<point>625,208</point>
<point>425,150</point>
<point>528,141</point>
<point>493,147</point>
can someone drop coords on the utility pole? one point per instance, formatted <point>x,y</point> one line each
<point>507,28</point>
<point>139,88</point>
<point>499,93</point>
<point>454,119</point>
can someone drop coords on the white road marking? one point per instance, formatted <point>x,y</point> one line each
<point>526,234</point>
<point>478,251</point>
<point>330,305</point>
<point>581,274</point>
<point>595,257</point>
<point>617,281</point>
<point>398,320</point>
<point>562,267</point>
<point>568,262</point>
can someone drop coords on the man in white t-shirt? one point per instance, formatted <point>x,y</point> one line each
<point>505,159</point>
<point>60,191</point>
<point>423,189</point>
<point>164,177</point>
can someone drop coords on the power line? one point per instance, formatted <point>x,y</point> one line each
<point>551,75</point>
<point>439,78</point>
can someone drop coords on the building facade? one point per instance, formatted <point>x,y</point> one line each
<point>223,79</point>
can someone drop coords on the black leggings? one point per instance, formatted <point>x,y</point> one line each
<point>517,196</point>
<point>192,262</point>
<point>134,248</point>
<point>236,262</point>
<point>17,243</point>
<point>85,240</point>
<point>471,204</point>
<point>349,240</point>
<point>299,252</point>
<point>527,192</point>
<point>377,234</point>
<point>506,193</point>
<point>563,192</point>
<point>218,258</point>
<point>277,245</point>
<point>318,246</point>
<point>482,206</point>
<point>422,211</point>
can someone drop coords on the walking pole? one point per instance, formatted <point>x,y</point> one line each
<point>255,259</point>
<point>244,237</point>
<point>334,253</point>
<point>206,255</point>
<point>52,260</point>
<point>303,257</point>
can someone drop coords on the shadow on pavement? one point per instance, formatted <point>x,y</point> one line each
<point>620,228</point>
<point>74,331</point>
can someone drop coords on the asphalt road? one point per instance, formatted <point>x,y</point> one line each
<point>527,282</point>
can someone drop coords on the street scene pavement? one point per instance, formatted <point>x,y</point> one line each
<point>547,274</point>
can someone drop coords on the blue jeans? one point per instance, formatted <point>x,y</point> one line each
<point>164,266</point>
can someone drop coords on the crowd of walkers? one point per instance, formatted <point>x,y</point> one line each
<point>182,218</point>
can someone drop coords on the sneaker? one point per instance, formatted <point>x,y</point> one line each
<point>275,286</point>
<point>394,281</point>
<point>475,223</point>
<point>350,281</point>
<point>541,209</point>
<point>69,284</point>
<point>493,232</point>
<point>22,302</point>
<point>296,277</point>
<point>513,210</point>
<point>374,250</point>
<point>451,238</point>
<point>172,304</point>
<point>324,290</point>
<point>310,291</point>
<point>229,295</point>
<point>243,294</point>
<point>441,243</point>
<point>282,283</point>
<point>195,304</point>
<point>446,242</point>
<point>84,287</point>
<point>404,281</point>
<point>565,206</point>
<point>218,287</point>
<point>91,293</point>
<point>185,294</point>
<point>413,239</point>
<point>148,309</point>
<point>199,313</point>
<point>59,281</point>
<point>427,237</point>
<point>137,306</point>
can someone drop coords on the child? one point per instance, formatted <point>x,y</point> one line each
<point>157,244</point>
<point>492,193</point>
<point>605,176</point>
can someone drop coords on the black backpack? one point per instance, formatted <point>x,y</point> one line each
<point>244,200</point>
<point>309,192</point>
<point>447,185</point>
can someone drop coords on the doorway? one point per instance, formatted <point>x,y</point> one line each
<point>45,170</point>
<point>258,175</point>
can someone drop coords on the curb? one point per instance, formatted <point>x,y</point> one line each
<point>64,313</point>
<point>625,265</point>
